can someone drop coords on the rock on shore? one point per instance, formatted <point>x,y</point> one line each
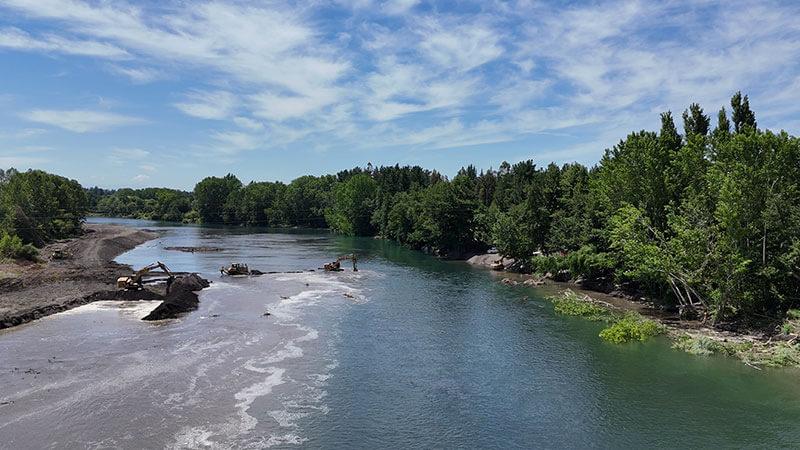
<point>488,259</point>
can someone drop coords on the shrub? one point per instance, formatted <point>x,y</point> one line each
<point>10,245</point>
<point>28,251</point>
<point>550,263</point>
<point>586,262</point>
<point>700,346</point>
<point>631,327</point>
<point>584,309</point>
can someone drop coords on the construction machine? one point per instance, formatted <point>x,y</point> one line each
<point>135,281</point>
<point>497,265</point>
<point>336,267</point>
<point>61,254</point>
<point>235,269</point>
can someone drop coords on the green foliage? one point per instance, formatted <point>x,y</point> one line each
<point>211,197</point>
<point>583,308</point>
<point>40,207</point>
<point>306,199</point>
<point>631,327</point>
<point>706,222</point>
<point>28,252</point>
<point>701,346</point>
<point>11,247</point>
<point>353,206</point>
<point>784,354</point>
<point>705,346</point>
<point>695,122</point>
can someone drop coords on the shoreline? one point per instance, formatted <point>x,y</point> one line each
<point>691,336</point>
<point>29,291</point>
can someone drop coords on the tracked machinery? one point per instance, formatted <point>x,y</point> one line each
<point>134,281</point>
<point>235,269</point>
<point>335,266</point>
<point>60,254</point>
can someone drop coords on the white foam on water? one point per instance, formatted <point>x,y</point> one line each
<point>131,309</point>
<point>287,419</point>
<point>193,437</point>
<point>290,438</point>
<point>248,395</point>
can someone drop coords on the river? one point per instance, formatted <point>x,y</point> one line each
<point>409,351</point>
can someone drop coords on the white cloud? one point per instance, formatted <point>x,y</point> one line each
<point>126,156</point>
<point>16,39</point>
<point>280,107</point>
<point>427,77</point>
<point>234,141</point>
<point>80,121</point>
<point>209,105</point>
<point>138,75</point>
<point>462,47</point>
<point>21,162</point>
<point>399,6</point>
<point>140,177</point>
<point>250,124</point>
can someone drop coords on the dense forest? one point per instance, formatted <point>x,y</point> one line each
<point>35,208</point>
<point>707,221</point>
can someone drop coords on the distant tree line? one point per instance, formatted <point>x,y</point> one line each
<point>707,220</point>
<point>35,208</point>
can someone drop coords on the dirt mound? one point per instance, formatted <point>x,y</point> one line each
<point>28,292</point>
<point>181,298</point>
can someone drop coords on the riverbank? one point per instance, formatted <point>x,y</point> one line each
<point>30,290</point>
<point>755,348</point>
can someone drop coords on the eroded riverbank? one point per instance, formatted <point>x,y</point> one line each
<point>34,290</point>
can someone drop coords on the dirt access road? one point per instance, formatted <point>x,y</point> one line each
<point>29,291</point>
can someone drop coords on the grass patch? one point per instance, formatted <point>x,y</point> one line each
<point>584,309</point>
<point>633,326</point>
<point>705,346</point>
<point>782,354</point>
<point>623,328</point>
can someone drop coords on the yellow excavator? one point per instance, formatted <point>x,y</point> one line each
<point>135,281</point>
<point>336,267</point>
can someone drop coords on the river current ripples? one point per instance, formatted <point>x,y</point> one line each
<point>409,351</point>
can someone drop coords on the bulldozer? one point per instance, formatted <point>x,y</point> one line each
<point>335,266</point>
<point>235,269</point>
<point>61,254</point>
<point>134,282</point>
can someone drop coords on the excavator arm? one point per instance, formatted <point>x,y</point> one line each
<point>336,267</point>
<point>135,280</point>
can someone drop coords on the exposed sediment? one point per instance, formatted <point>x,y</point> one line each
<point>181,298</point>
<point>30,291</point>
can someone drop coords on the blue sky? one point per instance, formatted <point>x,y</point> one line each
<point>115,93</point>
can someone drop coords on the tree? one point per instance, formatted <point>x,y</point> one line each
<point>211,194</point>
<point>353,206</point>
<point>743,117</point>
<point>695,122</point>
<point>669,136</point>
<point>306,199</point>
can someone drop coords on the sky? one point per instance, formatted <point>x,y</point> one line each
<point>118,93</point>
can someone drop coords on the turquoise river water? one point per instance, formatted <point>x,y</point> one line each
<point>409,351</point>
